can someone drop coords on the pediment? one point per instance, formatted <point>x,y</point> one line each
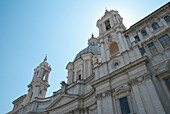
<point>62,100</point>
<point>121,89</point>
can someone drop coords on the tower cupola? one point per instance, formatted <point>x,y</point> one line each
<point>38,86</point>
<point>92,41</point>
<point>109,21</point>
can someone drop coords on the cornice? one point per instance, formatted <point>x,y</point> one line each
<point>119,71</point>
<point>20,98</point>
<point>124,88</point>
<point>147,18</point>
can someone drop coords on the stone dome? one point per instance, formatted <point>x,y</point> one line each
<point>90,49</point>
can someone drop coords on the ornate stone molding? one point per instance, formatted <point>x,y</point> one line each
<point>140,79</point>
<point>121,89</point>
<point>104,94</point>
<point>98,96</point>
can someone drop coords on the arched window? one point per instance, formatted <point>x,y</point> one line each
<point>167,19</point>
<point>40,92</point>
<point>144,33</point>
<point>79,75</point>
<point>114,48</point>
<point>107,24</point>
<point>155,26</point>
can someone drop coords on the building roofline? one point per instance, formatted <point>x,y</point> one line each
<point>136,24</point>
<point>18,99</point>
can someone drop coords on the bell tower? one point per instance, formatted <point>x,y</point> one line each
<point>38,86</point>
<point>111,38</point>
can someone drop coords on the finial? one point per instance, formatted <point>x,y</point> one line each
<point>92,35</point>
<point>45,59</point>
<point>106,11</point>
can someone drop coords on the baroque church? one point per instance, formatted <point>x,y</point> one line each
<point>121,71</point>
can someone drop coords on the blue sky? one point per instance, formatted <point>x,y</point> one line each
<point>30,29</point>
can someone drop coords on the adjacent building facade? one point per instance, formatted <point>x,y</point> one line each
<point>122,71</point>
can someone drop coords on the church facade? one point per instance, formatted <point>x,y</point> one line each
<point>122,71</point>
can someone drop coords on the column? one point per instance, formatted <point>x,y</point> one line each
<point>115,107</point>
<point>111,22</point>
<point>148,31</point>
<point>114,18</point>
<point>164,22</point>
<point>99,106</point>
<point>147,102</point>
<point>146,48</point>
<point>41,72</point>
<point>34,76</point>
<point>132,40</point>
<point>34,106</point>
<point>132,103</point>
<point>75,74</point>
<point>138,100</point>
<point>102,51</point>
<point>104,27</point>
<point>117,19</point>
<point>154,97</point>
<point>100,29</point>
<point>70,75</point>
<point>118,106</point>
<point>158,47</point>
<point>47,76</point>
<point>110,104</point>
<point>125,42</point>
<point>84,69</point>
<point>90,67</point>
<point>140,35</point>
<point>121,44</point>
<point>82,72</point>
<point>86,111</point>
<point>36,90</point>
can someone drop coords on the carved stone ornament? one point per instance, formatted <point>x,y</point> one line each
<point>99,96</point>
<point>121,89</point>
<point>115,64</point>
<point>109,38</point>
<point>107,93</point>
<point>140,79</point>
<point>101,41</point>
<point>95,60</point>
<point>63,86</point>
<point>104,94</point>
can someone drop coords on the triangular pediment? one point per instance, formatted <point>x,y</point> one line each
<point>62,100</point>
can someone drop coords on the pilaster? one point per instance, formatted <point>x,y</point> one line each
<point>154,97</point>
<point>120,40</point>
<point>102,51</point>
<point>138,100</point>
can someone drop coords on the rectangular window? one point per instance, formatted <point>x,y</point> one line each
<point>137,38</point>
<point>165,41</point>
<point>107,24</point>
<point>152,48</point>
<point>142,51</point>
<point>124,106</point>
<point>167,81</point>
